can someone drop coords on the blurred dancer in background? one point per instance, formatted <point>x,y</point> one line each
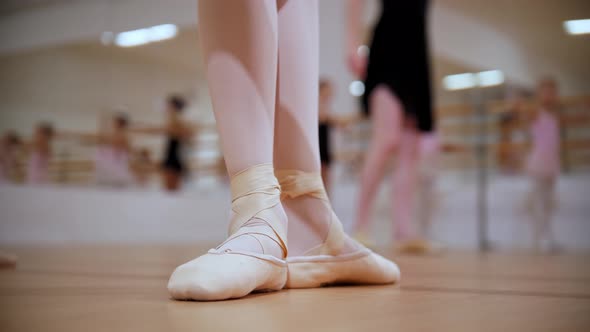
<point>544,163</point>
<point>112,155</point>
<point>40,154</point>
<point>10,145</point>
<point>178,136</point>
<point>324,129</point>
<point>262,70</point>
<point>327,121</point>
<point>398,98</point>
<point>509,152</point>
<point>143,167</point>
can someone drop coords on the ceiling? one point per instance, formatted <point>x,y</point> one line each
<point>537,26</point>
<point>11,6</point>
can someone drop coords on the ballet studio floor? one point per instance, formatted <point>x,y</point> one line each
<point>124,289</point>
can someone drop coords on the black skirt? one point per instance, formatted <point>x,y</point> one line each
<point>173,160</point>
<point>325,149</point>
<point>399,59</point>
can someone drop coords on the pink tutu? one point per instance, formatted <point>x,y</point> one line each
<point>112,167</point>
<point>544,159</point>
<point>38,168</point>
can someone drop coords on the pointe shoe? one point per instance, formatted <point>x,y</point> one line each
<point>419,247</point>
<point>326,263</point>
<point>364,239</point>
<point>225,274</point>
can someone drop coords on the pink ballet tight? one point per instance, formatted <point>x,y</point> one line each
<point>262,67</point>
<point>240,46</point>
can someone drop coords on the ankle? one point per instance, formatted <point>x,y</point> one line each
<point>258,222</point>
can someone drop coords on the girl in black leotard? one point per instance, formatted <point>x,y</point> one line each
<point>173,165</point>
<point>324,129</point>
<point>398,97</point>
<point>327,121</point>
<point>178,134</point>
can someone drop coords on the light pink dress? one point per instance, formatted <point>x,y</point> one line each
<point>544,159</point>
<point>112,166</point>
<point>38,168</point>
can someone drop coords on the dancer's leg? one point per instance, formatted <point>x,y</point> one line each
<point>535,207</point>
<point>296,131</point>
<point>239,42</point>
<point>426,187</point>
<point>547,211</point>
<point>315,232</point>
<point>404,183</point>
<point>387,119</point>
<point>241,60</point>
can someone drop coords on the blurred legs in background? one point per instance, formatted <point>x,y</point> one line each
<point>387,125</point>
<point>171,180</point>
<point>404,184</point>
<point>542,207</point>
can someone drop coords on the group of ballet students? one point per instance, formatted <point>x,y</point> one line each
<point>262,71</point>
<point>116,162</point>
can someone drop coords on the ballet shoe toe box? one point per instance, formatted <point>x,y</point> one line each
<point>214,277</point>
<point>386,271</point>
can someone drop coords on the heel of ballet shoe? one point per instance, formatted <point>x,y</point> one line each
<point>276,282</point>
<point>363,267</point>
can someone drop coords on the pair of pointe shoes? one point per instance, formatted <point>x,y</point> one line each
<point>225,274</point>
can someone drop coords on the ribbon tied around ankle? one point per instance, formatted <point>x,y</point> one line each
<point>255,191</point>
<point>296,183</point>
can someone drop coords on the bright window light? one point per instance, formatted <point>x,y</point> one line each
<point>132,38</point>
<point>577,27</point>
<point>490,78</point>
<point>460,81</point>
<point>163,32</point>
<point>356,88</point>
<point>147,35</point>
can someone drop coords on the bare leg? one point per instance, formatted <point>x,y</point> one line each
<point>404,182</point>
<point>171,180</point>
<point>387,120</point>
<point>547,194</point>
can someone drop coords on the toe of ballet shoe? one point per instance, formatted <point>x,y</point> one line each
<point>385,270</point>
<point>214,277</point>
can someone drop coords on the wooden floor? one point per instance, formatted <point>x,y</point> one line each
<point>124,289</point>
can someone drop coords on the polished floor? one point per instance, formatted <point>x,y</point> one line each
<point>124,289</point>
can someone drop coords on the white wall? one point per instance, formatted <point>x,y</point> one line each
<point>38,216</point>
<point>72,85</point>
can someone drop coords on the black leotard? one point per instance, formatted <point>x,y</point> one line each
<point>399,59</point>
<point>173,159</point>
<point>325,150</point>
